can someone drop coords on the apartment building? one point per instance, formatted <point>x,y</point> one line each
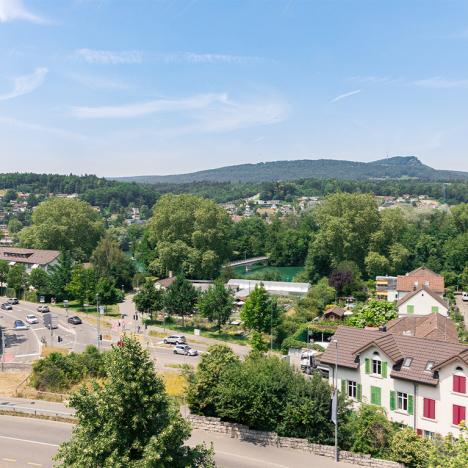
<point>421,383</point>
<point>385,288</point>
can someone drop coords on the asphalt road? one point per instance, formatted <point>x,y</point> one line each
<point>26,442</point>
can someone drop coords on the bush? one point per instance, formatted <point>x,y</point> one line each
<point>410,449</point>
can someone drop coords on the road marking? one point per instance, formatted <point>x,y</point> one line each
<point>29,442</point>
<point>26,355</point>
<point>35,464</point>
<point>12,460</point>
<point>257,460</point>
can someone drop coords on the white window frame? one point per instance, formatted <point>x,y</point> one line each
<point>402,401</point>
<point>352,389</point>
<point>376,365</point>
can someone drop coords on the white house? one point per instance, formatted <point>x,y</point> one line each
<point>422,301</point>
<point>30,258</point>
<point>415,279</point>
<point>420,383</point>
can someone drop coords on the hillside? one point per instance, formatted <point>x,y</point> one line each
<point>396,167</point>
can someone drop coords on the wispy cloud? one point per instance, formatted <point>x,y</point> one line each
<point>25,84</point>
<point>375,79</point>
<point>198,101</point>
<point>41,128</point>
<point>209,58</point>
<point>441,83</point>
<point>345,95</point>
<point>110,57</point>
<point>14,10</point>
<point>97,82</point>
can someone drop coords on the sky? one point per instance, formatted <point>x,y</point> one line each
<point>120,87</point>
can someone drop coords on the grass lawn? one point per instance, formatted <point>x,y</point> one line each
<point>110,310</point>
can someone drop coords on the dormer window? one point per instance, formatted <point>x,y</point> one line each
<point>376,364</point>
<point>407,361</point>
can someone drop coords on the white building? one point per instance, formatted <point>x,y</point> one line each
<point>244,287</point>
<point>422,301</point>
<point>30,258</point>
<point>417,278</point>
<point>420,383</point>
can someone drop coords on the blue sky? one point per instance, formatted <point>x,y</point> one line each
<point>120,87</point>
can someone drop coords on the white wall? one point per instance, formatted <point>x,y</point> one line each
<point>423,303</point>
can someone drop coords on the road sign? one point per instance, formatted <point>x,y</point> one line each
<point>42,299</point>
<point>101,310</point>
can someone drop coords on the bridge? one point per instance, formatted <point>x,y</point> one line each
<point>247,262</point>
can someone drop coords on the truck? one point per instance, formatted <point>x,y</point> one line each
<point>308,361</point>
<point>50,320</point>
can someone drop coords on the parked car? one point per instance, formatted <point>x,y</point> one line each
<point>32,319</point>
<point>13,300</point>
<point>175,339</point>
<point>43,309</point>
<point>6,306</point>
<point>20,325</point>
<point>464,296</point>
<point>185,349</point>
<point>74,320</point>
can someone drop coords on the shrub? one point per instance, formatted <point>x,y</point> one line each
<point>410,449</point>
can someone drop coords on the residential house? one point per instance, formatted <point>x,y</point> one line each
<point>434,326</point>
<point>420,383</point>
<point>422,301</point>
<point>385,288</point>
<point>420,277</point>
<point>30,258</point>
<point>334,313</point>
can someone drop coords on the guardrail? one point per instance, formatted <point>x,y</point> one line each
<point>35,411</point>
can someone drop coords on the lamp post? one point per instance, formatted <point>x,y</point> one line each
<point>335,396</point>
<point>98,323</point>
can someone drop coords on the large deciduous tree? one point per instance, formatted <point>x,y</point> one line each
<point>64,224</point>
<point>190,235</point>
<point>149,299</point>
<point>180,298</point>
<point>129,420</point>
<point>216,304</point>
<point>17,278</point>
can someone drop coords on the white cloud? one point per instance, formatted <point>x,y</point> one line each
<point>12,10</point>
<point>97,82</point>
<point>192,57</point>
<point>440,83</point>
<point>110,57</point>
<point>26,84</point>
<point>345,95</point>
<point>140,109</point>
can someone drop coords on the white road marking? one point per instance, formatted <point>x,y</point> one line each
<point>29,441</point>
<point>26,355</point>
<point>257,460</point>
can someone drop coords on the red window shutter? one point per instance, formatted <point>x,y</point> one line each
<point>462,384</point>
<point>455,383</point>
<point>459,414</point>
<point>432,409</point>
<point>455,415</point>
<point>419,432</point>
<point>462,414</point>
<point>426,408</point>
<point>429,408</point>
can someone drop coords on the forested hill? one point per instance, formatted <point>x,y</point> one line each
<point>395,168</point>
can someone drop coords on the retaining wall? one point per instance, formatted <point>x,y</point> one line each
<point>239,431</point>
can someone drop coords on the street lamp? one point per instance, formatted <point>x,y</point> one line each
<point>98,323</point>
<point>335,402</point>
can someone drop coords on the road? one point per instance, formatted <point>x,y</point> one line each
<point>26,442</point>
<point>463,308</point>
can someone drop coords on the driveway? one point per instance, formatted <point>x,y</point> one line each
<point>463,308</point>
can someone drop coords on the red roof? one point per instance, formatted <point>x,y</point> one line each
<point>421,277</point>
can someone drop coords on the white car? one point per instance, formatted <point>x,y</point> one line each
<point>186,350</point>
<point>32,319</point>
<point>175,339</point>
<point>464,296</point>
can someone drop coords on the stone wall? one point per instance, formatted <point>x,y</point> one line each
<point>239,431</point>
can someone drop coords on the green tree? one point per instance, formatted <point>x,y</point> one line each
<point>260,311</point>
<point>190,235</point>
<point>39,279</point>
<point>60,275</point>
<point>410,449</point>
<point>216,304</point>
<point>14,226</point>
<point>4,267</point>
<point>17,278</point>
<point>373,314</point>
<point>450,452</point>
<point>129,420</point>
<point>203,385</point>
<point>318,297</point>
<point>107,291</point>
<point>149,299</point>
<point>180,298</point>
<point>460,216</point>
<point>65,224</point>
<point>109,261</point>
<point>249,237</point>
<point>376,264</point>
<point>82,285</point>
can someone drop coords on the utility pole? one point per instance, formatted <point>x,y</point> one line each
<point>271,330</point>
<point>3,337</point>
<point>336,402</point>
<point>98,323</point>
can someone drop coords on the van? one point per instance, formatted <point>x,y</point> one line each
<point>465,296</point>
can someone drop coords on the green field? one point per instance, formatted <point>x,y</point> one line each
<point>287,273</point>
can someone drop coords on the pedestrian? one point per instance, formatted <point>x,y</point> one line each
<point>138,328</point>
<point>119,323</point>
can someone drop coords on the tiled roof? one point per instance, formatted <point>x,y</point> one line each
<point>417,291</point>
<point>420,277</point>
<point>166,282</point>
<point>335,310</point>
<point>434,326</point>
<point>32,256</point>
<point>352,341</point>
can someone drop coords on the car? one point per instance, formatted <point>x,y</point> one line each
<point>13,300</point>
<point>43,309</point>
<point>6,306</point>
<point>185,349</point>
<point>175,339</point>
<point>464,296</point>
<point>74,320</point>
<point>20,325</point>
<point>32,319</point>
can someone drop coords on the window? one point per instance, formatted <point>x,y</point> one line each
<point>376,366</point>
<point>459,414</point>
<point>352,389</point>
<point>402,401</point>
<point>407,361</point>
<point>429,408</point>
<point>376,394</point>
<point>410,309</point>
<point>429,365</point>
<point>459,383</point>
<point>435,309</point>
<point>428,434</point>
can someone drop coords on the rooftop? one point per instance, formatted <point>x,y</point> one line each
<point>31,256</point>
<point>422,276</point>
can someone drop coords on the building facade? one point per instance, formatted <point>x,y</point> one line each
<point>422,301</point>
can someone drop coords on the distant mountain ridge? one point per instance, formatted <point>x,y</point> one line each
<point>394,167</point>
